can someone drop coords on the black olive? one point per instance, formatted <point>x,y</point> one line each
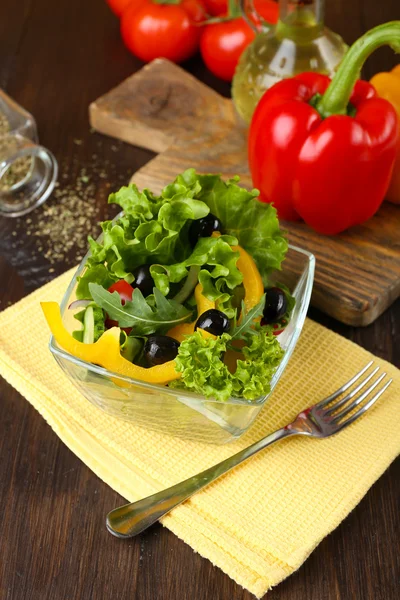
<point>275,305</point>
<point>214,321</point>
<point>159,349</point>
<point>203,228</point>
<point>143,280</point>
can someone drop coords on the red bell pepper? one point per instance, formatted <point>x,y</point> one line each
<point>324,150</point>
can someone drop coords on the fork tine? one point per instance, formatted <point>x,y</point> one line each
<point>366,406</point>
<point>344,387</point>
<point>351,394</point>
<point>358,400</point>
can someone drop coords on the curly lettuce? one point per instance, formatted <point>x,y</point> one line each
<point>200,361</point>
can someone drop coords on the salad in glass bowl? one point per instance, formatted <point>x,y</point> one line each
<point>176,308</point>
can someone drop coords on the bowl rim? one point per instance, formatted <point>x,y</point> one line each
<point>308,274</point>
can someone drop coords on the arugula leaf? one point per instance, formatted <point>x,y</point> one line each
<point>138,313</point>
<point>290,301</point>
<point>247,319</point>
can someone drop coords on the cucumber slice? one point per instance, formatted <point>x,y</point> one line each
<point>88,326</point>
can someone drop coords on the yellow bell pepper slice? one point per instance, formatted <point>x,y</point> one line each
<point>388,86</point>
<point>180,331</point>
<point>106,351</point>
<point>203,303</point>
<point>252,282</point>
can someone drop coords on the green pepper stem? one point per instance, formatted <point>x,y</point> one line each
<point>337,96</point>
<point>234,9</point>
<point>166,1</point>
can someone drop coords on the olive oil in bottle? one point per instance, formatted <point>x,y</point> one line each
<point>298,42</point>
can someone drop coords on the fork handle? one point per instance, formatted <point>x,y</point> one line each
<point>131,519</point>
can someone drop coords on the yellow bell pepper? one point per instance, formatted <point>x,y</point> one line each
<point>180,331</point>
<point>106,351</point>
<point>388,86</point>
<point>203,303</point>
<point>252,282</point>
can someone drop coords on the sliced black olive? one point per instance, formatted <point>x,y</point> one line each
<point>275,305</point>
<point>143,280</point>
<point>159,349</point>
<point>214,321</point>
<point>203,228</point>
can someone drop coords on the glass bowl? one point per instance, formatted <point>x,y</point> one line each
<point>177,412</point>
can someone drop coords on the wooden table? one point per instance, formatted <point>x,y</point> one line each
<point>55,58</point>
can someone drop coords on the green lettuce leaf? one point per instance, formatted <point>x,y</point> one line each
<point>151,230</point>
<point>218,279</point>
<point>203,371</point>
<point>155,230</point>
<point>138,313</point>
<point>255,224</point>
<point>131,346</point>
<point>96,274</point>
<point>253,375</point>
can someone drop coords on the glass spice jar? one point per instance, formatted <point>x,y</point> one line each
<point>28,171</point>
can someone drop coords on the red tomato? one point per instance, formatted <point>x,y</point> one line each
<point>216,7</point>
<point>123,288</point>
<point>162,30</point>
<point>268,9</point>
<point>118,6</point>
<point>222,44</point>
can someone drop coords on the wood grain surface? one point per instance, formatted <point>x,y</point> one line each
<point>55,59</point>
<point>165,109</point>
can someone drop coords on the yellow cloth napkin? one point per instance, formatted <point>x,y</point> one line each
<point>258,523</point>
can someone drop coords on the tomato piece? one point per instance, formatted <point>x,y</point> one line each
<point>123,288</point>
<point>222,44</point>
<point>151,30</point>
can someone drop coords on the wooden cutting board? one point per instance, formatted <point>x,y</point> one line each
<point>165,109</point>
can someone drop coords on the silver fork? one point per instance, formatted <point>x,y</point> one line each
<point>321,420</point>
